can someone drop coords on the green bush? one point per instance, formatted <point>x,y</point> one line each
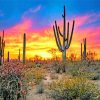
<point>40,88</point>
<point>56,66</point>
<point>69,89</point>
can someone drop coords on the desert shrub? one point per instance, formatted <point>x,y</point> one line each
<point>56,66</point>
<point>29,74</point>
<point>53,76</point>
<point>85,63</point>
<point>34,64</point>
<point>64,66</point>
<point>40,88</point>
<point>94,76</point>
<point>34,74</point>
<point>37,64</point>
<point>74,72</point>
<point>60,67</point>
<point>69,89</point>
<point>97,98</point>
<point>39,75</point>
<point>83,71</point>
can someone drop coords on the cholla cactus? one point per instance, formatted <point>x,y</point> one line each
<point>66,38</point>
<point>12,88</point>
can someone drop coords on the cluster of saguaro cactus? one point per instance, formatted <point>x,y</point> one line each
<point>83,53</point>
<point>2,46</point>
<point>66,38</point>
<point>24,48</point>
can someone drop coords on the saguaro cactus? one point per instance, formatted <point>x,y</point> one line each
<point>84,53</point>
<point>8,57</point>
<point>2,46</point>
<point>0,52</point>
<point>19,55</point>
<point>66,39</point>
<point>24,48</point>
<point>81,52</point>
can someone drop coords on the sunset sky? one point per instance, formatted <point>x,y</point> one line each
<point>36,18</point>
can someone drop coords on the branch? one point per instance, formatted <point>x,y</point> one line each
<point>71,34</point>
<point>68,32</point>
<point>59,31</point>
<point>57,40</point>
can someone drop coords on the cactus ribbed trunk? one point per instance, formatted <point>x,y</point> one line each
<point>19,55</point>
<point>8,57</point>
<point>65,36</point>
<point>2,46</point>
<point>81,52</point>
<point>0,52</point>
<point>24,48</point>
<point>85,49</point>
<point>64,56</point>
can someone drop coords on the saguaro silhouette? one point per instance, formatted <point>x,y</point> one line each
<point>65,35</point>
<point>24,48</point>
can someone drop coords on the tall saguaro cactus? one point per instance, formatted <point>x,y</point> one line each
<point>24,48</point>
<point>0,51</point>
<point>2,46</point>
<point>81,52</point>
<point>84,53</point>
<point>19,55</point>
<point>8,57</point>
<point>65,36</point>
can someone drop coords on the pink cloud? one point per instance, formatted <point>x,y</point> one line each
<point>15,33</point>
<point>80,20</point>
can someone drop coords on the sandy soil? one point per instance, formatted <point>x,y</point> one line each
<point>32,95</point>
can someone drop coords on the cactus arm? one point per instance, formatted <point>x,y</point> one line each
<point>60,32</point>
<point>0,42</point>
<point>68,32</point>
<point>57,41</point>
<point>71,34</point>
<point>67,39</point>
<point>3,35</point>
<point>58,38</point>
